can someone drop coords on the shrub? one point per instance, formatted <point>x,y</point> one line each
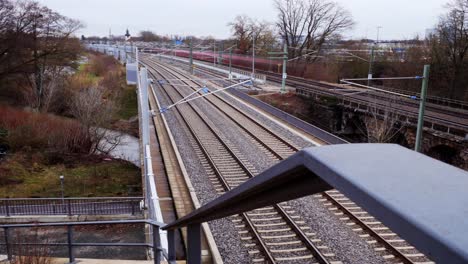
<point>101,64</point>
<point>43,132</point>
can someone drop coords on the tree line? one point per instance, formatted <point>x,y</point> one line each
<point>312,30</point>
<point>36,43</point>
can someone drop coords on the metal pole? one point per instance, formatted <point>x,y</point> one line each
<point>220,57</point>
<point>214,53</point>
<point>156,245</point>
<point>143,89</point>
<point>194,244</point>
<point>7,244</point>
<point>230,64</point>
<point>253,55</point>
<point>285,61</point>
<point>422,105</point>
<point>136,56</point>
<point>171,245</point>
<point>378,33</point>
<point>191,55</point>
<point>7,207</point>
<point>62,189</point>
<point>371,61</point>
<point>71,258</point>
<point>69,207</point>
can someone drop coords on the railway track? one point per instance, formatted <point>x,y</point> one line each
<point>453,122</point>
<point>272,234</point>
<point>452,119</point>
<point>387,243</point>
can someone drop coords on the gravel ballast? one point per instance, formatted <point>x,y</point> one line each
<point>342,241</point>
<point>224,232</point>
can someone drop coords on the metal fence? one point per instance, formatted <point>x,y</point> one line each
<point>70,206</point>
<point>154,244</point>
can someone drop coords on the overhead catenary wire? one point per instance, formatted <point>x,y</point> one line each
<point>387,78</point>
<point>378,89</point>
<point>207,92</point>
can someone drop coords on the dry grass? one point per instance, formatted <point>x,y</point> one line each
<point>24,175</point>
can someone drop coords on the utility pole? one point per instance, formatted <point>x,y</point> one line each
<point>230,63</point>
<point>191,55</point>
<point>253,55</point>
<point>220,57</point>
<point>422,106</point>
<point>371,61</point>
<point>284,57</point>
<point>285,75</point>
<point>214,53</point>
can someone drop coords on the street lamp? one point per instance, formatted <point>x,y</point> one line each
<point>61,187</point>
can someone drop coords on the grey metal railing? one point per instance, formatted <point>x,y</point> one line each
<point>155,244</point>
<point>70,206</point>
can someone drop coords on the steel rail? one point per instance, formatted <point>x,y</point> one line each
<point>243,127</point>
<point>368,229</point>
<point>302,236</point>
<point>263,247</point>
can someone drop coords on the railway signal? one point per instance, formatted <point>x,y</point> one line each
<point>285,61</point>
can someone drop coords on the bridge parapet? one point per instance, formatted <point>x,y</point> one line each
<point>431,123</point>
<point>70,206</point>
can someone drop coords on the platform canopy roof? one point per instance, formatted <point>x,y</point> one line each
<point>423,200</point>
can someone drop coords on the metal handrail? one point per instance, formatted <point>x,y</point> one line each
<point>72,198</point>
<point>70,206</point>
<point>155,245</point>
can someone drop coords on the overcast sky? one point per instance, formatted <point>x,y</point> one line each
<point>399,19</point>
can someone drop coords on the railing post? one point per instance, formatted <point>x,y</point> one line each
<point>156,245</point>
<point>194,244</point>
<point>69,207</point>
<point>171,245</point>
<point>71,258</point>
<point>7,244</point>
<point>7,207</point>
<point>133,207</point>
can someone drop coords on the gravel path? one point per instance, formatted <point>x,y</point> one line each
<point>344,242</point>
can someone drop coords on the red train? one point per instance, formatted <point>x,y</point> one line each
<point>238,60</point>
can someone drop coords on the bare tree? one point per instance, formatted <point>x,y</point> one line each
<point>32,38</point>
<point>305,25</point>
<point>245,29</point>
<point>450,47</point>
<point>94,108</point>
<point>382,121</point>
<point>52,92</point>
